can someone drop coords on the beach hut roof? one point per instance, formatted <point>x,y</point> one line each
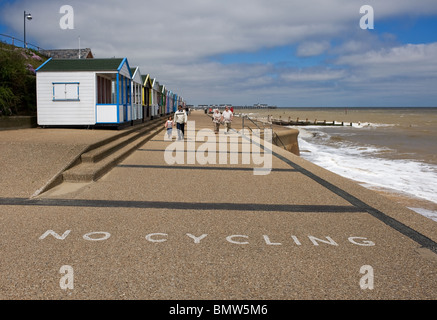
<point>65,65</point>
<point>147,82</point>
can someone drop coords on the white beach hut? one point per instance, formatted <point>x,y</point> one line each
<point>77,92</point>
<point>155,98</point>
<point>137,95</point>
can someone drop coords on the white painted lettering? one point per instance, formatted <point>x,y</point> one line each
<point>88,236</point>
<point>365,242</point>
<point>268,242</point>
<point>316,241</point>
<point>231,239</point>
<point>149,237</point>
<point>54,234</point>
<point>296,240</point>
<point>196,239</point>
<point>235,239</point>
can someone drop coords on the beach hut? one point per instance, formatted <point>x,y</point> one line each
<point>147,97</point>
<point>175,102</point>
<point>137,96</point>
<point>84,92</point>
<point>155,98</point>
<point>163,97</point>
<point>181,102</point>
<point>169,102</point>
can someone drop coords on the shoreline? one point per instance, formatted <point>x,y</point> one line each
<point>418,205</point>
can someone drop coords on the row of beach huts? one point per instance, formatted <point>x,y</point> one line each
<point>99,92</point>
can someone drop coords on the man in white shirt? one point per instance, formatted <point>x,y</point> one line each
<point>227,117</point>
<point>180,118</point>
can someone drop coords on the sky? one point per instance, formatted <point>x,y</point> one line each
<point>302,53</point>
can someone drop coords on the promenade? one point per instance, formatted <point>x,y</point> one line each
<point>149,229</point>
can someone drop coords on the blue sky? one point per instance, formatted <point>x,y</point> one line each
<point>280,52</point>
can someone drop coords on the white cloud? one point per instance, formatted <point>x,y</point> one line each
<point>312,48</point>
<point>310,75</point>
<point>411,60</point>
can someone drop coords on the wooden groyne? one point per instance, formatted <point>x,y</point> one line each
<point>307,122</point>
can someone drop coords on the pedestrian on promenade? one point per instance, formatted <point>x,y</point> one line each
<point>169,127</point>
<point>216,118</point>
<point>227,118</point>
<point>180,118</point>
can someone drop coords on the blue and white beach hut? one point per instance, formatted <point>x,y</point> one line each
<point>77,92</point>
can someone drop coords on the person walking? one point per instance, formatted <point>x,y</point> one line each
<point>180,118</point>
<point>227,117</point>
<point>169,127</point>
<point>216,118</point>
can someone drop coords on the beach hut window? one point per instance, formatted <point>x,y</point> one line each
<point>66,91</point>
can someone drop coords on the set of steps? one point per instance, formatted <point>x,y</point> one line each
<point>102,157</point>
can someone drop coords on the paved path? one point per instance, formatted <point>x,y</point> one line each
<point>153,230</point>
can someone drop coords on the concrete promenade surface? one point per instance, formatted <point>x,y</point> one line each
<point>153,230</point>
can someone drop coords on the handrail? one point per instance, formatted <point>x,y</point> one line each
<point>277,137</point>
<point>271,127</point>
<point>245,125</point>
<point>19,40</point>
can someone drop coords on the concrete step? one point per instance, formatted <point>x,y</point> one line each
<point>98,153</point>
<point>88,171</point>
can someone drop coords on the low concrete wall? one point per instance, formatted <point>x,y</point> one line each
<point>17,122</point>
<point>283,137</point>
<point>286,138</point>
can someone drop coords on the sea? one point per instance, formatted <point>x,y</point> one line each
<point>390,150</point>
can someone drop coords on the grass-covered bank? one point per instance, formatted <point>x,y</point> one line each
<point>18,80</point>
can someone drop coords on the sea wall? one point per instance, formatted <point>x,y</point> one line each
<point>283,137</point>
<point>17,122</point>
<point>286,138</point>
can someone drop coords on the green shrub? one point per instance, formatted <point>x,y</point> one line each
<point>18,81</point>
